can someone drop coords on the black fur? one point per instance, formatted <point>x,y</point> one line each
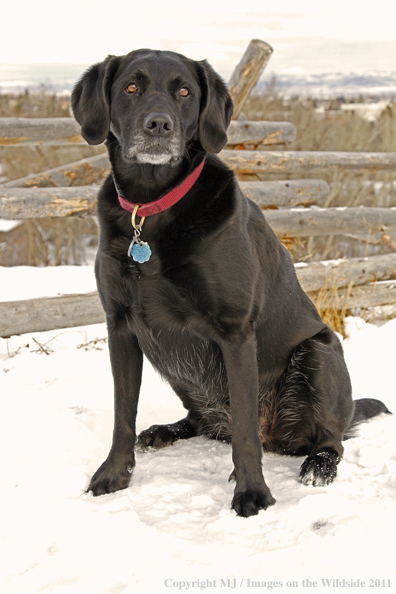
<point>217,309</point>
<point>365,409</point>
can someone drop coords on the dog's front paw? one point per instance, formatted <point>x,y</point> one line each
<point>319,470</point>
<point>111,476</point>
<point>249,502</point>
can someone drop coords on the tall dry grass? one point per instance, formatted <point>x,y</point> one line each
<point>333,130</point>
<point>34,105</point>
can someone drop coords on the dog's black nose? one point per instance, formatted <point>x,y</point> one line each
<point>158,124</point>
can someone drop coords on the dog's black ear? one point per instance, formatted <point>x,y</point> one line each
<point>91,100</point>
<point>216,109</point>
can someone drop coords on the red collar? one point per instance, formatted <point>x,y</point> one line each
<point>166,201</point>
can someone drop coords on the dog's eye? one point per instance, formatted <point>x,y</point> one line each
<point>184,92</point>
<point>132,88</point>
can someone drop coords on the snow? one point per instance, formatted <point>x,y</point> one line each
<point>173,530</point>
<point>30,282</point>
<point>7,225</point>
<point>370,112</point>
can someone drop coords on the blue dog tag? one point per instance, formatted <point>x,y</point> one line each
<point>141,252</point>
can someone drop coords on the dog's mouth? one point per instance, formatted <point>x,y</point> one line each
<point>154,153</point>
<point>155,157</point>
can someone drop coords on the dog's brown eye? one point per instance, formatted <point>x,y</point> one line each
<point>132,88</point>
<point>184,92</point>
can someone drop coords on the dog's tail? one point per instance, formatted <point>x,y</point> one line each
<point>365,409</point>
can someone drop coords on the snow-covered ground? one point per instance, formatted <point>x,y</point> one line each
<point>173,530</point>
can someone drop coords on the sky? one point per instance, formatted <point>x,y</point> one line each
<point>307,36</point>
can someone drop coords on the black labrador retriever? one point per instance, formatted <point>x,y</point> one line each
<point>190,274</point>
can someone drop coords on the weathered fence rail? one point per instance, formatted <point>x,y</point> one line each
<point>243,162</point>
<point>28,203</point>
<point>343,273</point>
<point>48,313</point>
<point>78,173</point>
<point>312,162</point>
<point>354,277</point>
<point>66,131</point>
<point>315,221</point>
<point>93,170</point>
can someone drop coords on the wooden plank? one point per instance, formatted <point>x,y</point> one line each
<point>307,162</point>
<point>49,313</point>
<point>247,73</point>
<point>308,222</point>
<point>39,131</point>
<point>254,134</point>
<point>68,311</point>
<point>247,162</point>
<point>374,294</point>
<point>65,131</point>
<point>30,203</point>
<point>26,203</point>
<point>286,193</point>
<point>256,162</point>
<point>82,172</point>
<point>342,273</point>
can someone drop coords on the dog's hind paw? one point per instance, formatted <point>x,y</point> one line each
<point>161,436</point>
<point>320,469</point>
<point>248,503</point>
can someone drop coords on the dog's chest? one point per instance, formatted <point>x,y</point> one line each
<point>183,359</point>
<point>174,334</point>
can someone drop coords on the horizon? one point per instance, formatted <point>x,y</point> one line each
<point>60,79</point>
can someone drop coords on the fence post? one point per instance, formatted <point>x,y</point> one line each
<point>247,73</point>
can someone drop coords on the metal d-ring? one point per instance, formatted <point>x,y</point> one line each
<point>134,225</point>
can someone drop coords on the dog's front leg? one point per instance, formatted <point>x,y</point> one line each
<point>251,493</point>
<point>127,363</point>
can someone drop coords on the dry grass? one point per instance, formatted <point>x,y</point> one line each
<point>34,105</point>
<point>331,307</point>
<point>334,130</point>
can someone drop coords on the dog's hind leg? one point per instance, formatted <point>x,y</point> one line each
<point>321,468</point>
<point>326,372</point>
<point>314,408</point>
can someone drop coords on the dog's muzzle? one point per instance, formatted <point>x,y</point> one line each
<point>157,142</point>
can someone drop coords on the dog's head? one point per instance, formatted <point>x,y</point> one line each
<point>155,103</point>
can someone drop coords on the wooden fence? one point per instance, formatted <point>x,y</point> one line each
<point>294,207</point>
